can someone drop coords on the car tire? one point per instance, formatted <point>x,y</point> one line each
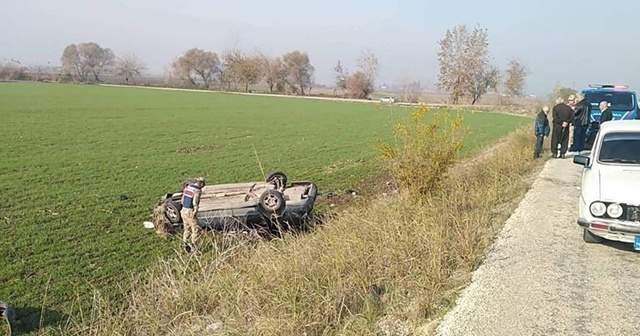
<point>278,178</point>
<point>172,212</point>
<point>272,203</point>
<point>590,238</point>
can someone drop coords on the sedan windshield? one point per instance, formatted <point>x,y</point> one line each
<point>617,100</point>
<point>621,147</point>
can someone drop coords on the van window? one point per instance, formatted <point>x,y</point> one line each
<point>617,100</point>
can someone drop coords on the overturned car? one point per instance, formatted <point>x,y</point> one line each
<point>270,203</point>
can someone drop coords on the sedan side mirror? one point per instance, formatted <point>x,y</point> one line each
<point>582,160</point>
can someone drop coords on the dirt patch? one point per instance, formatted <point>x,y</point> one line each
<point>198,149</point>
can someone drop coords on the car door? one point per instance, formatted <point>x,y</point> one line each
<point>589,184</point>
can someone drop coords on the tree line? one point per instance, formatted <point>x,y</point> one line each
<point>195,67</point>
<point>465,69</point>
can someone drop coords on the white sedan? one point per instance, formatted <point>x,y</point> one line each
<point>387,100</point>
<point>609,206</point>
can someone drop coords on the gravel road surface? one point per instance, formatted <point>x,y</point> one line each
<point>540,278</point>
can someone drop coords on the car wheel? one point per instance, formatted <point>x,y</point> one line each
<point>590,238</point>
<point>172,212</point>
<point>272,203</point>
<point>278,178</point>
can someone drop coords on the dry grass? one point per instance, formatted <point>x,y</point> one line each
<point>384,268</point>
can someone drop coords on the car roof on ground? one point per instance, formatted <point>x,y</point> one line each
<point>620,126</point>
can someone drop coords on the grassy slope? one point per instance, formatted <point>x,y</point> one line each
<point>390,267</point>
<point>70,152</point>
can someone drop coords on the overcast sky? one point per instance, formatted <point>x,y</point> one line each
<point>573,42</point>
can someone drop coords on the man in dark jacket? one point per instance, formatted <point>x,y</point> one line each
<point>606,115</point>
<point>562,119</point>
<point>541,130</point>
<point>581,118</point>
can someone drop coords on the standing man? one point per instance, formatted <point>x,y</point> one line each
<point>571,101</point>
<point>581,119</point>
<point>562,119</point>
<point>606,115</point>
<point>541,130</point>
<point>190,204</point>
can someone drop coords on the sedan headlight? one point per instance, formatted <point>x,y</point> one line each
<point>598,209</point>
<point>614,210</point>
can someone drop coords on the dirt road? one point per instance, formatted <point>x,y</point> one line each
<point>540,278</point>
<point>476,107</point>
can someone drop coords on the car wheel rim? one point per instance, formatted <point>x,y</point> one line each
<point>171,214</point>
<point>271,201</point>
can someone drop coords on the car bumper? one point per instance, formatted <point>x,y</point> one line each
<point>612,230</point>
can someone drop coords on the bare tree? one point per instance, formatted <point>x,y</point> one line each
<point>231,67</point>
<point>12,70</point>
<point>369,66</point>
<point>98,59</point>
<point>516,75</point>
<point>272,72</point>
<point>358,85</point>
<point>361,83</point>
<point>197,64</point>
<point>129,65</point>
<point>250,72</point>
<point>241,68</point>
<point>482,81</point>
<point>299,71</point>
<point>71,63</point>
<point>341,76</point>
<point>35,72</point>
<point>464,62</point>
<point>87,58</point>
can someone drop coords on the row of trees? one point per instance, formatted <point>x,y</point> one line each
<point>89,59</point>
<point>292,71</point>
<point>466,70</point>
<point>196,67</point>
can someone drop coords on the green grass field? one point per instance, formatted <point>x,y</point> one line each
<point>83,166</point>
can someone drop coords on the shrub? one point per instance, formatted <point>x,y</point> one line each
<point>426,147</point>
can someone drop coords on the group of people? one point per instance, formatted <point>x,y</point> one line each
<point>570,120</point>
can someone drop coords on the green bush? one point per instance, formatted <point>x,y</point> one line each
<point>425,147</point>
